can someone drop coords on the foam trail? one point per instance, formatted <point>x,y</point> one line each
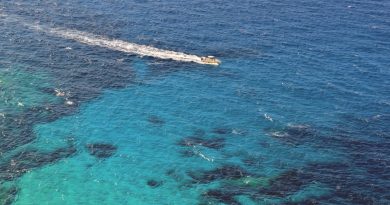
<point>113,44</point>
<point>123,46</point>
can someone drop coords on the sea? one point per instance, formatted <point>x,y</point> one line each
<point>297,113</point>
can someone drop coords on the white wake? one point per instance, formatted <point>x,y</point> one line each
<point>119,45</point>
<point>113,44</point>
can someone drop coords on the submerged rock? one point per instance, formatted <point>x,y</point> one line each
<point>154,183</point>
<point>156,120</point>
<point>253,161</point>
<point>224,172</point>
<point>221,196</point>
<point>8,141</point>
<point>17,128</point>
<point>24,161</point>
<point>7,195</point>
<point>304,202</point>
<point>101,150</point>
<point>299,130</point>
<point>339,176</point>
<point>231,189</point>
<point>285,184</point>
<point>170,172</point>
<point>237,181</point>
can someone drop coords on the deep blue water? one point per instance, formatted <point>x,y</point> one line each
<point>297,113</point>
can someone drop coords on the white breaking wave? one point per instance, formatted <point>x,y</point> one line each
<point>113,44</point>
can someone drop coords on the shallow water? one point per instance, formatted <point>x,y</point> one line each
<point>297,113</point>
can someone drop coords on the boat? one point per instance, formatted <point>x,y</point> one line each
<point>211,60</point>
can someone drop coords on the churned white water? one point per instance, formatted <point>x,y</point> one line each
<point>123,46</point>
<point>101,41</point>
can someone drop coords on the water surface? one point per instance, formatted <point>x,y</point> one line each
<point>297,113</point>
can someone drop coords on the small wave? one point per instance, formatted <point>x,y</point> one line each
<point>268,117</point>
<point>279,134</point>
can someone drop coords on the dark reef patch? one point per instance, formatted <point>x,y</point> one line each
<point>101,150</point>
<point>221,196</point>
<point>11,127</point>
<point>17,128</point>
<point>213,143</point>
<point>370,156</point>
<point>24,161</point>
<point>286,184</point>
<point>223,172</point>
<point>365,140</point>
<point>7,194</point>
<point>304,202</point>
<point>253,161</point>
<point>170,172</point>
<point>235,181</point>
<point>340,177</point>
<point>154,183</point>
<point>156,120</point>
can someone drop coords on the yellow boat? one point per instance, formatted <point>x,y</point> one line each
<point>210,60</point>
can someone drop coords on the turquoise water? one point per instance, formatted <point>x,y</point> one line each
<point>297,113</point>
<point>148,151</point>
